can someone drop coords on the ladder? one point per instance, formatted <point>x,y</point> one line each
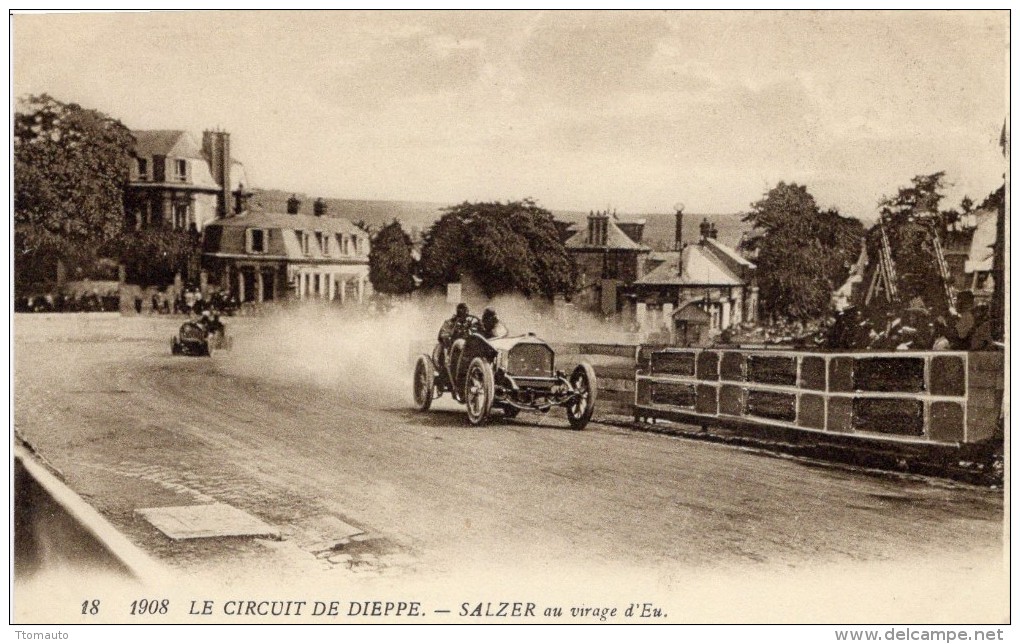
<point>947,281</point>
<point>886,262</point>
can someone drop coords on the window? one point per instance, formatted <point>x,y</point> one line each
<point>180,170</point>
<point>305,238</point>
<point>180,216</point>
<point>143,169</point>
<point>257,240</point>
<point>326,243</point>
<point>354,243</point>
<point>346,242</point>
<point>319,242</point>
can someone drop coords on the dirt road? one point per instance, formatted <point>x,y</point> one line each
<point>514,503</point>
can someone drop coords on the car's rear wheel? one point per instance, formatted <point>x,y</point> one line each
<point>581,408</point>
<point>424,383</point>
<point>479,389</point>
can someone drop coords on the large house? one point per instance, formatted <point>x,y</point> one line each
<point>176,184</point>
<point>263,256</point>
<point>697,290</point>
<point>609,257</point>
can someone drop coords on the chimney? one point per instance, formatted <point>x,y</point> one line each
<point>678,237</point>
<point>293,205</point>
<point>598,228</point>
<point>706,229</point>
<point>240,199</point>
<point>319,207</point>
<point>216,147</point>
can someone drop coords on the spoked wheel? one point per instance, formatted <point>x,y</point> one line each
<point>579,411</point>
<point>424,383</point>
<point>479,389</point>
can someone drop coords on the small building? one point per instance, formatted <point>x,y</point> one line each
<point>970,257</point>
<point>177,185</point>
<point>695,291</point>
<point>261,256</point>
<point>609,257</point>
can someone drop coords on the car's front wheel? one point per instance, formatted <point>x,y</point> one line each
<point>580,409</point>
<point>479,390</point>
<point>424,383</point>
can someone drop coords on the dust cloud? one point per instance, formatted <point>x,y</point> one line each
<point>366,354</point>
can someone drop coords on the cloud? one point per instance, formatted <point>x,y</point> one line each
<point>591,56</point>
<point>405,67</point>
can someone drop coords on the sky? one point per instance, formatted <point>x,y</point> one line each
<point>579,110</point>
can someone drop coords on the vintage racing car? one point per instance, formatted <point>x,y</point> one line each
<point>195,339</point>
<point>509,374</point>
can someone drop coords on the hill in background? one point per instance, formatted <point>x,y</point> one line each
<point>417,216</point>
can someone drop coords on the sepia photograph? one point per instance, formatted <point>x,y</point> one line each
<point>663,317</point>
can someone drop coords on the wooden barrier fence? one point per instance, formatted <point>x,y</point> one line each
<point>935,397</point>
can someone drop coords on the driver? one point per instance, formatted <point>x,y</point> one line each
<point>215,325</point>
<point>492,328</point>
<point>454,332</point>
<point>205,320</point>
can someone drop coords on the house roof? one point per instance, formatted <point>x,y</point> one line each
<point>284,221</point>
<point>616,239</point>
<point>180,144</point>
<point>696,264</point>
<point>171,143</point>
<point>729,253</point>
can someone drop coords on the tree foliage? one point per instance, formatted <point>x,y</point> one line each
<point>71,165</point>
<point>803,253</point>
<point>512,247</point>
<point>911,218</point>
<point>155,256</point>
<point>390,262</point>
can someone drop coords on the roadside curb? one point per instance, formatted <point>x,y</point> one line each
<point>119,551</point>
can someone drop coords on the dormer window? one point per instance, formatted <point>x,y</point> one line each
<point>346,244</point>
<point>257,240</point>
<point>327,242</point>
<point>143,169</point>
<point>306,239</point>
<point>180,170</point>
<point>354,243</point>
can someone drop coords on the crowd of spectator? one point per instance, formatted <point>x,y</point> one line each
<point>189,301</point>
<point>63,303</point>
<point>966,327</point>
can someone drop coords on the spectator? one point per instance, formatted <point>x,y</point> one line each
<point>965,322</point>
<point>981,337</point>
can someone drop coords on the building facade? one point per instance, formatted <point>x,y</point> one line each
<point>695,291</point>
<point>176,184</point>
<point>609,257</point>
<point>260,257</point>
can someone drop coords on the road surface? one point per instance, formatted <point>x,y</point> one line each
<point>516,503</point>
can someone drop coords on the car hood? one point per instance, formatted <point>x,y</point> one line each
<point>505,344</point>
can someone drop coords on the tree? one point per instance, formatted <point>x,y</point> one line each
<point>512,247</point>
<point>155,256</point>
<point>911,219</point>
<point>390,263</point>
<point>71,165</point>
<point>803,253</point>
